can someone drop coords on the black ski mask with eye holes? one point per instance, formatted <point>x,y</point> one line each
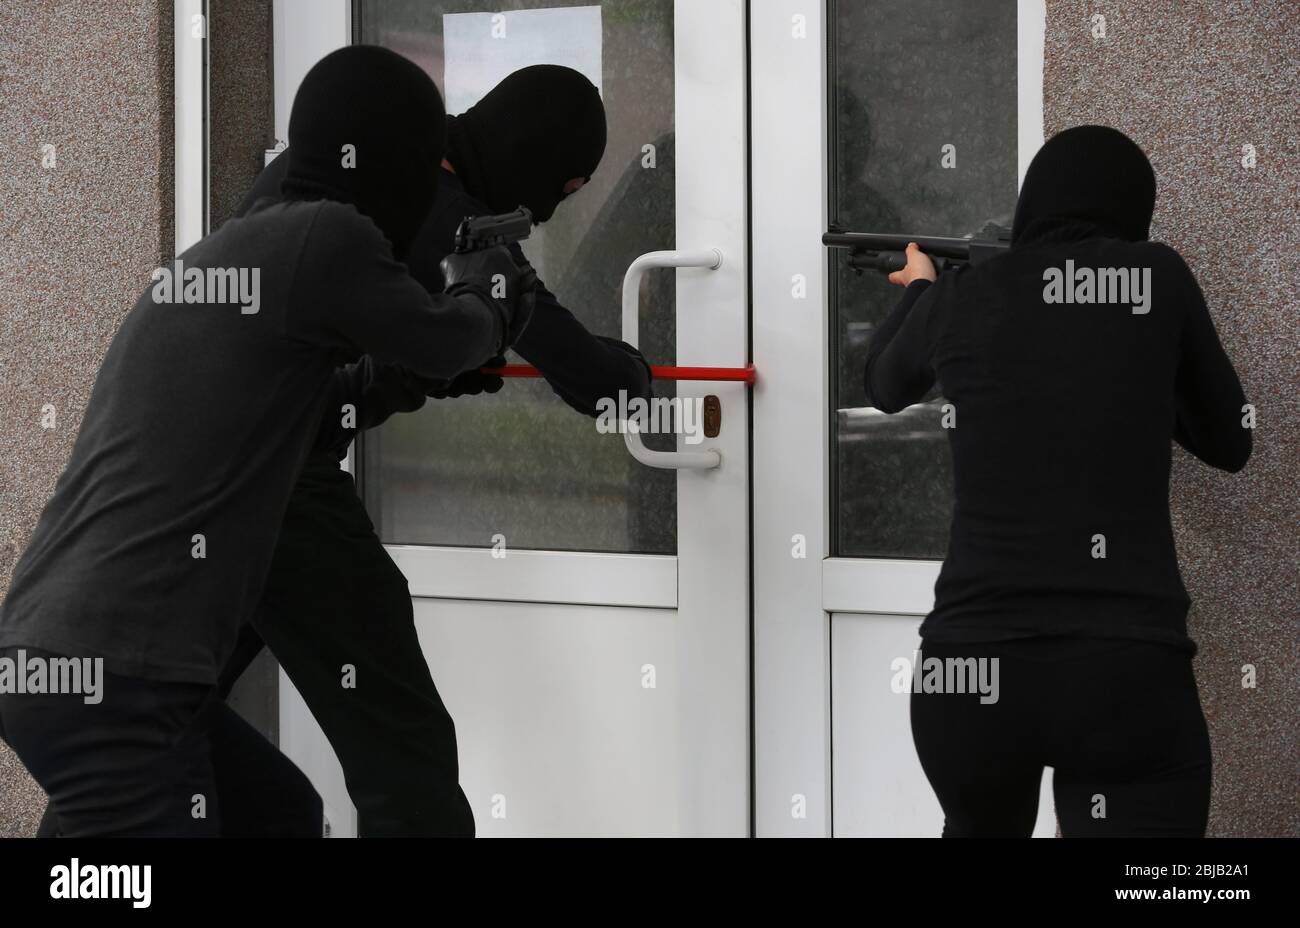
<point>368,128</point>
<point>1086,180</point>
<point>536,130</point>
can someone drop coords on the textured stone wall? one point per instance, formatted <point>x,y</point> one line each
<point>78,239</point>
<point>1193,81</point>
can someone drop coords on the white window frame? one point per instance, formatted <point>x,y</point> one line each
<point>530,576</point>
<point>190,123</point>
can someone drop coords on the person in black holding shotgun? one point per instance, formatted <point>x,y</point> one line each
<point>334,596</point>
<point>158,539</point>
<point>1061,563</point>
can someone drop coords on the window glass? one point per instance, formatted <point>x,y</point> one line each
<point>908,77</point>
<point>521,463</point>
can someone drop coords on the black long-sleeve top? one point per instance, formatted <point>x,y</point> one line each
<point>1064,420</point>
<point>157,540</point>
<point>580,367</point>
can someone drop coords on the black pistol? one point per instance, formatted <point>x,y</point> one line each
<point>478,232</point>
<point>870,251</point>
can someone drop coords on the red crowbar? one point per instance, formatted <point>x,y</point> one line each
<point>737,374</point>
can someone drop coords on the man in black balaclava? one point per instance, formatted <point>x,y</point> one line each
<point>156,544</point>
<point>354,144</point>
<point>334,595</point>
<point>1091,176</point>
<point>533,133</point>
<point>1061,577</point>
<point>537,136</point>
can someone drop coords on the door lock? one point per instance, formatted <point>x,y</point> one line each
<point>712,416</point>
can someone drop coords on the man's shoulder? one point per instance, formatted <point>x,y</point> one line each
<point>333,233</point>
<point>283,217</point>
<point>331,216</point>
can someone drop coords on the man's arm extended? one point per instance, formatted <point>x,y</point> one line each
<point>581,368</point>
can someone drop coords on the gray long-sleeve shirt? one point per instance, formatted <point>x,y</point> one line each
<point>157,540</point>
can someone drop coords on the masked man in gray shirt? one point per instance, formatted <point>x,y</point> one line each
<point>156,543</point>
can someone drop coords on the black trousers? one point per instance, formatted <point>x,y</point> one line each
<point>336,612</point>
<point>337,615</point>
<point>1120,723</point>
<point>142,763</point>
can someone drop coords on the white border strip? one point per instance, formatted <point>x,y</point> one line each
<point>1031,32</point>
<point>876,585</point>
<point>190,180</point>
<point>319,27</point>
<point>792,731</point>
<point>566,577</point>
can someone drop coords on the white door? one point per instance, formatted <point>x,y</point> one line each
<point>585,616</point>
<point>883,116</point>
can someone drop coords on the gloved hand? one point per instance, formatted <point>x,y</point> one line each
<point>469,383</point>
<point>493,275</point>
<point>628,349</point>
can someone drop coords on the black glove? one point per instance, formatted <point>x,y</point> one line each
<point>493,275</point>
<point>628,349</point>
<point>469,383</point>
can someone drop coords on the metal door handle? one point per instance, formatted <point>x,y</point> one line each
<point>710,258</point>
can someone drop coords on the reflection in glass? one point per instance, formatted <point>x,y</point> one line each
<point>521,463</point>
<point>908,77</point>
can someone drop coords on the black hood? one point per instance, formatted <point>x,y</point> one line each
<point>1087,176</point>
<point>392,114</point>
<point>536,130</point>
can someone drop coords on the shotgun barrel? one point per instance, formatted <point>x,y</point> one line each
<point>886,253</point>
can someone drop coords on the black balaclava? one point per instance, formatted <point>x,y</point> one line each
<point>1086,176</point>
<point>391,112</point>
<point>536,130</point>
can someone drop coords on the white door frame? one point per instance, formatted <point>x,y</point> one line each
<point>190,122</point>
<point>792,736</point>
<point>712,329</point>
<point>707,582</point>
<point>796,584</point>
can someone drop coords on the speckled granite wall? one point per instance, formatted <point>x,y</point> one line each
<point>1193,82</point>
<point>78,239</point>
<point>83,235</point>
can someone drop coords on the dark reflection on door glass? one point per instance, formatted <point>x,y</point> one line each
<point>521,463</point>
<point>908,78</point>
